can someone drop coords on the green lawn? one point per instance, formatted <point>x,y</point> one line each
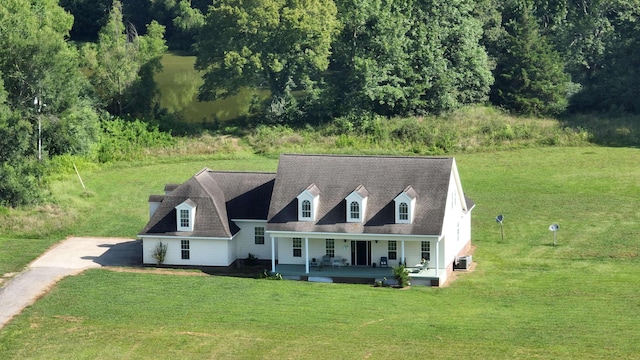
<point>526,298</point>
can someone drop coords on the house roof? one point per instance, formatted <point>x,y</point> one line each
<point>219,197</point>
<point>384,177</point>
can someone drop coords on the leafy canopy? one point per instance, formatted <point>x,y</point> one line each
<point>277,44</point>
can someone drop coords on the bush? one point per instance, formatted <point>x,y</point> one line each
<point>401,275</point>
<point>160,252</point>
<point>127,140</point>
<point>270,275</point>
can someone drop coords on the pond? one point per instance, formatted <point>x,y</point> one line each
<point>179,82</point>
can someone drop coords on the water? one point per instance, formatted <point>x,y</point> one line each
<point>179,82</point>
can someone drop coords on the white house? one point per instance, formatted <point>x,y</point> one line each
<point>356,211</point>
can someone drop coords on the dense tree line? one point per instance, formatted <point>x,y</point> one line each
<point>69,66</point>
<point>406,57</point>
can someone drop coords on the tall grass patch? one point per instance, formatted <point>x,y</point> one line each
<point>468,130</point>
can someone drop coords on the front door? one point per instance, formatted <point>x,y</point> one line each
<point>361,253</point>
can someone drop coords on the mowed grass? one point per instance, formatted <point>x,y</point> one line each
<point>525,298</point>
<point>114,203</point>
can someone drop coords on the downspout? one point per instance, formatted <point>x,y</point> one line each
<point>306,255</point>
<point>273,254</point>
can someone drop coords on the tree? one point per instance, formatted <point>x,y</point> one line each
<point>187,23</point>
<point>371,56</point>
<point>416,57</point>
<point>449,68</point>
<point>530,76</point>
<point>37,62</point>
<point>89,16</point>
<point>116,60</point>
<point>282,45</point>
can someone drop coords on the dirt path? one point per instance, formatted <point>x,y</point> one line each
<point>68,257</point>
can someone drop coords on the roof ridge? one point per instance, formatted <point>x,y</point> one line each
<point>371,156</point>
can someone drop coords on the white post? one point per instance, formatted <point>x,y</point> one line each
<point>437,252</point>
<point>306,255</point>
<point>273,254</point>
<point>402,259</point>
<point>39,137</point>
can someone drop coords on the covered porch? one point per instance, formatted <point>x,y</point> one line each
<point>358,274</point>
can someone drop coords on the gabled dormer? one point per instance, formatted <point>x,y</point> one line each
<point>186,215</point>
<point>308,201</point>
<point>405,206</point>
<point>356,203</point>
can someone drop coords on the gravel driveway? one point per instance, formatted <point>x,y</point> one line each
<point>68,257</point>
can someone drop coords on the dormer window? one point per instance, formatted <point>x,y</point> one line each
<point>405,206</point>
<point>354,213</point>
<point>403,211</point>
<point>185,215</point>
<point>357,204</point>
<point>308,201</point>
<point>306,209</point>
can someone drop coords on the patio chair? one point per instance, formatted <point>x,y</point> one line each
<point>336,261</point>
<point>383,261</point>
<point>326,260</point>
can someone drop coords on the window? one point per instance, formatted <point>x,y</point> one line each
<point>405,206</point>
<point>356,205</point>
<point>426,250</point>
<point>308,201</point>
<point>297,247</point>
<point>393,250</point>
<point>259,235</point>
<point>403,210</point>
<point>185,215</point>
<point>306,209</point>
<point>184,218</point>
<point>331,247</point>
<point>355,210</point>
<point>184,246</point>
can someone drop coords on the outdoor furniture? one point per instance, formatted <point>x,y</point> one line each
<point>384,261</point>
<point>326,260</point>
<point>336,261</point>
<point>332,261</point>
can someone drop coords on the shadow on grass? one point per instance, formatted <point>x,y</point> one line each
<point>614,130</point>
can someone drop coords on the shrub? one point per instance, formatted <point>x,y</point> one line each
<point>127,140</point>
<point>160,252</point>
<point>270,275</point>
<point>401,275</point>
<point>252,260</point>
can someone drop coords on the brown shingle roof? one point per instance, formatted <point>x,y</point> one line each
<point>219,198</point>
<point>383,177</point>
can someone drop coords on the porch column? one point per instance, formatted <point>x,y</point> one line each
<point>402,258</point>
<point>273,254</point>
<point>306,255</point>
<point>437,252</point>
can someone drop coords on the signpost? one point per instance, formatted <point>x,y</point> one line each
<point>499,219</point>
<point>554,228</point>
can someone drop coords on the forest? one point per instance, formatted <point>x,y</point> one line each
<point>77,76</point>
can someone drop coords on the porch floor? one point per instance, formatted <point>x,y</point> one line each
<point>352,274</point>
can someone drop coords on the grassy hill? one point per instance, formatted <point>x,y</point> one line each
<point>525,298</point>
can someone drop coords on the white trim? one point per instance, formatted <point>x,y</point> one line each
<point>273,254</point>
<point>248,220</point>
<point>306,255</point>
<point>348,236</point>
<point>411,208</point>
<point>190,207</point>
<point>314,200</point>
<point>362,205</point>
<point>184,237</point>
